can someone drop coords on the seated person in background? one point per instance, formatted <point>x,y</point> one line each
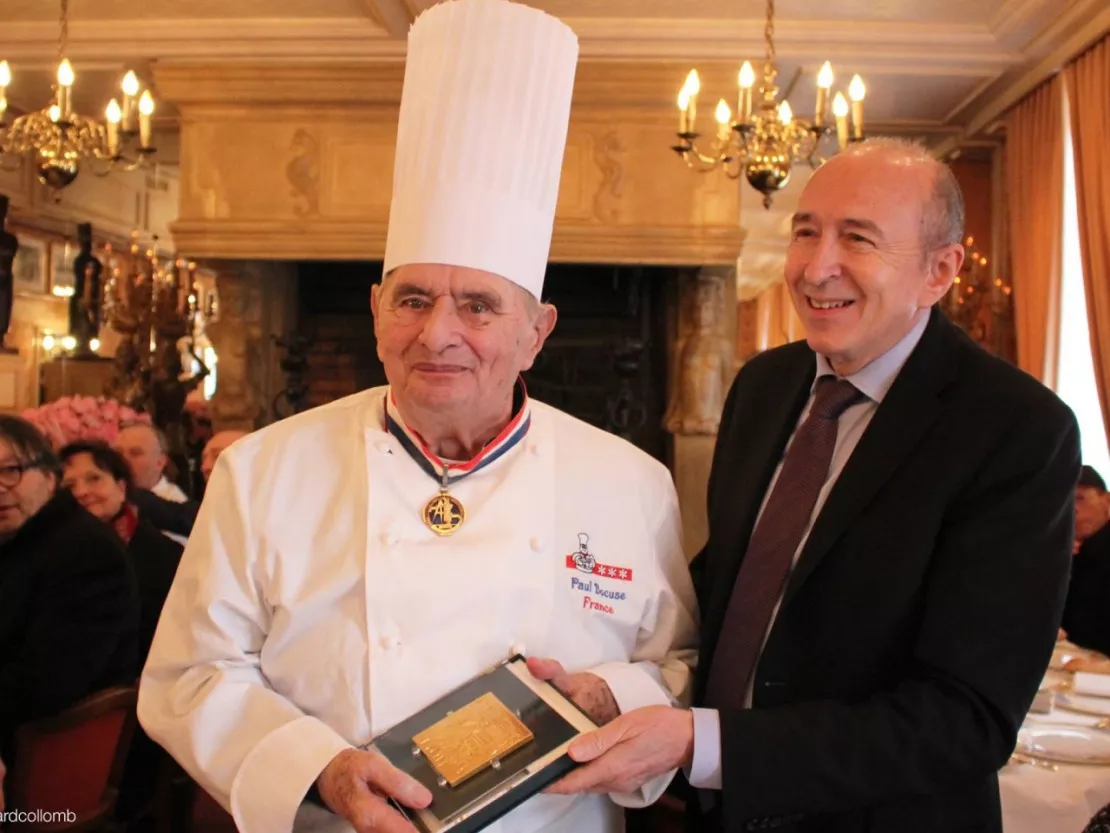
<point>69,608</point>
<point>144,448</point>
<point>214,448</point>
<point>100,480</point>
<point>1087,611</point>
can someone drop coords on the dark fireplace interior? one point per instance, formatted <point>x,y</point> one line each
<point>605,363</point>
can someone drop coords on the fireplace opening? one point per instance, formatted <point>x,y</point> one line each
<point>606,362</point>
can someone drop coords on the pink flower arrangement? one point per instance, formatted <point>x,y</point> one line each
<point>73,418</point>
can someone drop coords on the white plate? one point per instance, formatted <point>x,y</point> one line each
<point>1065,744</point>
<point>1083,703</point>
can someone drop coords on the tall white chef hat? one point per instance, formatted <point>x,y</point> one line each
<point>480,139</point>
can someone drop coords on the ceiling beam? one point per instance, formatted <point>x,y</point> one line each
<point>990,110</point>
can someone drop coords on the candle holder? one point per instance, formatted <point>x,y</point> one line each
<point>764,145</point>
<point>980,302</point>
<point>62,143</point>
<point>150,300</point>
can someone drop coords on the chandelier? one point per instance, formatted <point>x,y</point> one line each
<point>64,142</point>
<point>764,142</point>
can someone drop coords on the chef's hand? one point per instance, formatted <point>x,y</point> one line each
<point>356,784</point>
<point>588,691</point>
<point>624,755</point>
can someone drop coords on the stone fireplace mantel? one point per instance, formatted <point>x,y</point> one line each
<point>294,162</point>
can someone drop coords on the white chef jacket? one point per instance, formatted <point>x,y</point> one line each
<point>313,610</point>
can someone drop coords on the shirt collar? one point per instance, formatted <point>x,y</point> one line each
<point>875,379</point>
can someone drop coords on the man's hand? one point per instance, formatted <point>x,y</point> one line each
<point>627,753</point>
<point>356,784</point>
<point>588,691</point>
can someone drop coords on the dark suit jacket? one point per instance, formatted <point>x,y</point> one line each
<point>163,514</point>
<point>922,612</point>
<point>1087,612</point>
<point>154,558</point>
<point>69,614</point>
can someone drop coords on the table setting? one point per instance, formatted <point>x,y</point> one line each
<point>1058,776</point>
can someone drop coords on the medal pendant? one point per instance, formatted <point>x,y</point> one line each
<point>444,514</point>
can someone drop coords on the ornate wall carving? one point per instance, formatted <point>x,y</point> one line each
<point>703,366</point>
<point>295,162</point>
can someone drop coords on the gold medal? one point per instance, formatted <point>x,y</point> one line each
<point>444,514</point>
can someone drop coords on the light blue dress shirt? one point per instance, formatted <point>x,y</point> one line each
<point>874,381</point>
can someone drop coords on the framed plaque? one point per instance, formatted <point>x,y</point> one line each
<point>485,747</point>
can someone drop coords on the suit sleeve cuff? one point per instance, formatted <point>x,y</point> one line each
<point>705,769</point>
<point>634,686</point>
<point>277,774</point>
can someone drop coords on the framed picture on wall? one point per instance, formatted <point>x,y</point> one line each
<point>29,269</point>
<point>62,256</point>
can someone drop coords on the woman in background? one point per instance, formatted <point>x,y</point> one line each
<point>99,479</point>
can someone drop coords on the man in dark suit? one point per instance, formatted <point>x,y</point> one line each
<point>890,513</point>
<point>69,608</point>
<point>1087,611</point>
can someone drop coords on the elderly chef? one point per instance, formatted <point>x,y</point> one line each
<point>354,563</point>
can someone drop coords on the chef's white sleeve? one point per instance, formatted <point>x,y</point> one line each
<point>660,669</point>
<point>202,694</point>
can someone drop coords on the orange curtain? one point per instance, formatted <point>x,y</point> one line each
<point>1035,185</point>
<point>1088,80</point>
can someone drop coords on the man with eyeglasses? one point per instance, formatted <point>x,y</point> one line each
<point>69,607</point>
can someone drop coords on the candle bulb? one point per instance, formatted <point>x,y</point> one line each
<point>130,87</point>
<point>146,110</point>
<point>65,83</point>
<point>746,81</point>
<point>113,116</point>
<point>824,83</point>
<point>724,119</point>
<point>786,115</point>
<point>840,111</point>
<point>5,80</point>
<point>692,87</point>
<point>683,104</point>
<point>856,92</point>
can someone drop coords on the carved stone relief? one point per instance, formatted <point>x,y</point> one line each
<point>607,202</point>
<point>257,301</point>
<point>703,356</point>
<point>303,173</point>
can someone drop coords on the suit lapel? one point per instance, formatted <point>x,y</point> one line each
<point>753,457</point>
<point>905,415</point>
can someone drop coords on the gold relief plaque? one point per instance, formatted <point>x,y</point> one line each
<point>467,741</point>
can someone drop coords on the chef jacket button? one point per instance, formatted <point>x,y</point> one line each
<point>537,448</point>
<point>518,648</point>
<point>389,642</point>
<point>536,544</point>
<point>383,447</point>
<point>390,539</point>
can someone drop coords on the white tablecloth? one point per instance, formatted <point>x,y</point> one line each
<point>1038,800</point>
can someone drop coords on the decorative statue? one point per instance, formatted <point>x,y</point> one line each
<point>8,247</point>
<point>704,363</point>
<point>294,364</point>
<point>84,305</point>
